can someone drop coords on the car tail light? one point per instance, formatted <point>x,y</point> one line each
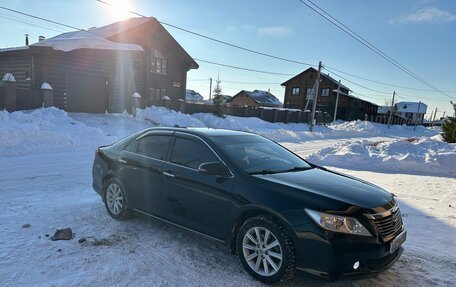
<point>97,152</point>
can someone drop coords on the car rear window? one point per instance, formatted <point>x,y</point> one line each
<point>153,146</point>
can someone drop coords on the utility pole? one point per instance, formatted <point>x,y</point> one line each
<point>337,102</point>
<point>433,119</point>
<point>417,114</point>
<point>314,105</point>
<point>210,88</point>
<point>391,110</point>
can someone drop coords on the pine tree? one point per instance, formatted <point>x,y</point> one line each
<point>449,128</point>
<point>217,99</point>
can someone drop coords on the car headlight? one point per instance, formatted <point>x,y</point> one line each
<point>338,223</point>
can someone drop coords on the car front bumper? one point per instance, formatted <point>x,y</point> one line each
<point>335,258</point>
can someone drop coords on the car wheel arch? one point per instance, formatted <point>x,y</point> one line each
<point>254,211</point>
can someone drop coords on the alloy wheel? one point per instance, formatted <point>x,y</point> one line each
<point>114,198</point>
<point>262,251</point>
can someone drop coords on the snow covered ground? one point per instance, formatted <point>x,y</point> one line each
<point>45,181</point>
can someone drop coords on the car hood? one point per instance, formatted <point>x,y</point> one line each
<point>333,185</point>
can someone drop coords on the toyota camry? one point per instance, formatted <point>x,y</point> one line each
<point>278,212</point>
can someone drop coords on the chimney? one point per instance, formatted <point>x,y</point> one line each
<point>26,40</point>
<point>41,38</point>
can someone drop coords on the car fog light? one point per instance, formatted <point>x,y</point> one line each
<point>356,265</point>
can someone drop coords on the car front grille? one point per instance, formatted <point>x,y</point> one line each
<point>389,226</point>
<point>388,223</point>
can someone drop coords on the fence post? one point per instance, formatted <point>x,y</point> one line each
<point>287,116</point>
<point>274,115</point>
<point>10,96</point>
<point>135,102</point>
<point>48,95</point>
<point>261,113</point>
<point>181,105</point>
<point>244,110</point>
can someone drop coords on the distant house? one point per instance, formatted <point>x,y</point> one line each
<point>193,97</point>
<point>300,90</point>
<point>411,110</point>
<point>101,68</point>
<point>255,99</point>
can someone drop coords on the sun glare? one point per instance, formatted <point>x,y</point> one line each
<point>120,9</point>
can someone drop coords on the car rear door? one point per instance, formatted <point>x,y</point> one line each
<point>142,170</point>
<point>190,198</point>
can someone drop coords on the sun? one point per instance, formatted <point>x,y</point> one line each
<point>120,9</point>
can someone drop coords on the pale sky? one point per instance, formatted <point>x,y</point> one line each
<point>420,35</point>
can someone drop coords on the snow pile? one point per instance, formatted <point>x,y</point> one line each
<point>45,130</point>
<point>299,132</point>
<point>426,155</point>
<point>376,129</point>
<point>164,117</point>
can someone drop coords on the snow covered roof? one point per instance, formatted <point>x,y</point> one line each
<point>327,76</point>
<point>94,38</point>
<point>13,49</point>
<point>264,98</point>
<point>192,96</point>
<point>411,107</point>
<point>136,95</point>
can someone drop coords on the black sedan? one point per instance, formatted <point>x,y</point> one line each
<point>278,212</point>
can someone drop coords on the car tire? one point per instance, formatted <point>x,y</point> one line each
<point>270,261</point>
<point>115,199</point>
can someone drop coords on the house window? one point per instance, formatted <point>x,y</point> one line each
<point>309,94</point>
<point>295,91</point>
<point>159,64</point>
<point>325,92</point>
<point>156,95</point>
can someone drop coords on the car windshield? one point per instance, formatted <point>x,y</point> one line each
<point>258,155</point>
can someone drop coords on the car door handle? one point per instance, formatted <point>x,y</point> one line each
<point>168,174</point>
<point>122,160</point>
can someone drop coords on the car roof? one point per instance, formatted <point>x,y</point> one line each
<point>204,132</point>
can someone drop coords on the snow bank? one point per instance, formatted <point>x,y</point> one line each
<point>299,132</point>
<point>164,117</point>
<point>426,155</point>
<point>45,130</point>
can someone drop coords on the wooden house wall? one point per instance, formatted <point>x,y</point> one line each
<point>122,70</point>
<point>18,63</point>
<point>150,36</point>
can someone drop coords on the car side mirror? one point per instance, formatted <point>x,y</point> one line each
<point>215,168</point>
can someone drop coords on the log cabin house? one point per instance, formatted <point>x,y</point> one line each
<point>99,69</point>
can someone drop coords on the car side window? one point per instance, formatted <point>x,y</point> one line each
<point>191,154</point>
<point>154,146</point>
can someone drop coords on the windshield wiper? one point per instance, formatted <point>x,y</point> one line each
<point>297,168</point>
<point>268,171</point>
<point>264,171</point>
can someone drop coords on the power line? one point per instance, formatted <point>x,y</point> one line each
<point>236,82</point>
<point>8,17</point>
<point>217,40</point>
<point>387,84</point>
<point>242,68</point>
<point>43,19</point>
<point>198,34</point>
<point>366,43</point>
<point>354,83</point>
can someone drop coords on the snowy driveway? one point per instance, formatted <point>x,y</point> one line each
<point>145,252</point>
<point>52,190</point>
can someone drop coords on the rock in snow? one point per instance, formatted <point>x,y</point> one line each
<point>62,234</point>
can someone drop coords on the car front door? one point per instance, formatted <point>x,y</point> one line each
<point>192,199</point>
<point>142,175</point>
